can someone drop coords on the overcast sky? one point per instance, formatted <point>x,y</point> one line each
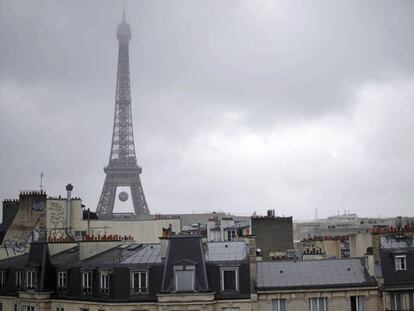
<point>238,106</point>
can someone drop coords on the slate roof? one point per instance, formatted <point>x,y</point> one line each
<point>123,254</point>
<point>226,251</point>
<point>150,253</point>
<point>183,250</point>
<point>313,274</point>
<point>17,262</point>
<point>67,258</point>
<point>395,242</point>
<point>391,246</point>
<point>9,213</point>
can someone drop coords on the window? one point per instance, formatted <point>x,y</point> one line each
<point>62,280</point>
<point>86,282</point>
<point>400,262</point>
<point>16,307</point>
<point>357,303</point>
<point>29,308</point>
<point>318,304</point>
<point>2,279</point>
<point>231,309</point>
<point>60,309</point>
<point>395,301</point>
<point>104,282</point>
<point>30,281</point>
<point>231,235</point>
<point>184,278</point>
<point>279,305</point>
<point>83,309</point>
<point>139,282</point>
<point>229,279</point>
<point>19,279</point>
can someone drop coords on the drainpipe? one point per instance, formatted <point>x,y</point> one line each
<point>89,221</point>
<point>69,189</point>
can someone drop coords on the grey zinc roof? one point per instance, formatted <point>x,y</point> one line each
<point>150,253</point>
<point>393,242</point>
<point>312,273</point>
<point>226,251</point>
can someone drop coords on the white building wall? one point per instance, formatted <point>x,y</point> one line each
<point>142,231</point>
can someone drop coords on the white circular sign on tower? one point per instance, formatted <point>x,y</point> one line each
<point>123,196</point>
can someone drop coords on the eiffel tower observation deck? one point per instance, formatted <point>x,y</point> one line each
<point>122,170</point>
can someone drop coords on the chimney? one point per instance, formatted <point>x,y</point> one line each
<point>69,189</point>
<point>164,246</point>
<point>369,264</point>
<point>253,265</point>
<point>399,223</point>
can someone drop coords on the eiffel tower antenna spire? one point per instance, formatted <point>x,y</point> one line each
<point>122,170</point>
<point>123,12</point>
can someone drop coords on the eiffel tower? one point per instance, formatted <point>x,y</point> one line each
<point>122,170</point>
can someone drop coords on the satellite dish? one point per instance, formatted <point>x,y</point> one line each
<point>123,196</point>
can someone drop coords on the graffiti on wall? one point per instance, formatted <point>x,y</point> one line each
<point>56,214</point>
<point>19,243</point>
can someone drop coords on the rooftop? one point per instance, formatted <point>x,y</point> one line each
<point>313,273</point>
<point>395,242</point>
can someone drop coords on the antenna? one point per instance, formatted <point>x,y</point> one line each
<point>41,181</point>
<point>123,11</point>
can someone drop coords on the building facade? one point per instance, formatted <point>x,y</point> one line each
<point>274,235</point>
<point>180,273</point>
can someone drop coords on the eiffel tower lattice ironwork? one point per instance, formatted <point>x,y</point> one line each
<point>122,170</point>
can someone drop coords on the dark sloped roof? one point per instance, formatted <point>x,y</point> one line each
<point>183,250</point>
<point>393,278</point>
<point>150,253</point>
<point>17,262</point>
<point>9,213</point>
<point>66,259</point>
<point>125,254</point>
<point>313,273</point>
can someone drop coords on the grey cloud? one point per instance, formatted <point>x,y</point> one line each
<point>276,64</point>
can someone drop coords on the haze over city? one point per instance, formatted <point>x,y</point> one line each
<point>238,106</point>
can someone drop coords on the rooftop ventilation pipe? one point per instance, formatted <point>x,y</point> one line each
<point>69,189</point>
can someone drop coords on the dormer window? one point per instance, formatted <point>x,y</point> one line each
<point>86,282</point>
<point>104,282</point>
<point>139,282</point>
<point>62,281</point>
<point>19,279</point>
<point>2,279</point>
<point>184,278</point>
<point>400,262</point>
<point>229,279</point>
<point>30,279</point>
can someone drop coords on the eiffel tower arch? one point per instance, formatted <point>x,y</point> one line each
<point>122,170</point>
